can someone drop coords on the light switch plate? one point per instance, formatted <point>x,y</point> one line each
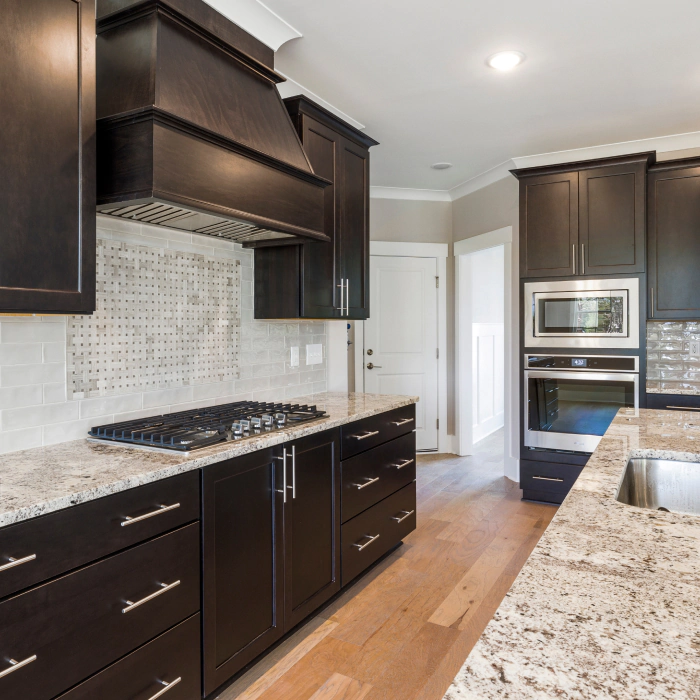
<point>314,354</point>
<point>294,356</point>
<point>694,348</point>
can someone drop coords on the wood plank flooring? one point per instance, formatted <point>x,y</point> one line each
<point>404,630</point>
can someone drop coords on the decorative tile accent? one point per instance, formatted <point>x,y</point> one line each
<point>670,368</point>
<point>165,318</point>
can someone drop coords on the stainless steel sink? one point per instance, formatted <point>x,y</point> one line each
<point>661,484</point>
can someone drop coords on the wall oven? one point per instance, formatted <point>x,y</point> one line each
<point>582,314</point>
<point>571,400</point>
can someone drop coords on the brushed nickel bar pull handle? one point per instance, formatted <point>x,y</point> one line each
<point>583,258</point>
<point>161,509</point>
<point>367,483</point>
<point>284,475</point>
<point>405,463</point>
<point>407,513</point>
<point>16,665</point>
<point>342,286</point>
<point>547,478</point>
<point>652,302</point>
<point>402,422</point>
<point>165,587</point>
<point>294,471</point>
<point>372,538</point>
<point>369,433</point>
<point>17,562</point>
<point>573,266</point>
<point>168,686</point>
<point>682,408</point>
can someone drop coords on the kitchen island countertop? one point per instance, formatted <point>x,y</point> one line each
<point>46,479</point>
<point>608,604</point>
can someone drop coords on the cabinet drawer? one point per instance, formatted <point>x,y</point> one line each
<point>673,402</point>
<point>78,624</point>
<point>369,535</point>
<point>364,434</point>
<point>171,658</point>
<point>373,475</point>
<point>67,539</point>
<point>549,477</point>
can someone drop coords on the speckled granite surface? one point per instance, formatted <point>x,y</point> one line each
<point>608,604</point>
<point>46,479</point>
<point>651,389</point>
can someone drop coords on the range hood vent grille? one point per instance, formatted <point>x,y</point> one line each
<point>194,222</point>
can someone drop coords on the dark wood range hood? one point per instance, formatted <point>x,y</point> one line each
<point>191,132</point>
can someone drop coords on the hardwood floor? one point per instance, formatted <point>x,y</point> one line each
<point>405,628</point>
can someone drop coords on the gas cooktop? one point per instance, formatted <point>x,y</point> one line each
<point>202,427</point>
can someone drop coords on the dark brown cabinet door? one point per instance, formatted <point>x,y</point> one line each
<point>243,566</point>
<point>674,240</point>
<point>353,230</point>
<point>549,225</point>
<point>311,524</point>
<point>611,219</point>
<point>47,156</point>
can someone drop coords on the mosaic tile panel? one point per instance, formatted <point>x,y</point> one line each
<point>670,367</point>
<point>165,318</point>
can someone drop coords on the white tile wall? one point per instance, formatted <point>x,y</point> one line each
<point>33,387</point>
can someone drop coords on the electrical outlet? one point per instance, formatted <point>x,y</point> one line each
<point>294,356</point>
<point>314,354</point>
<point>694,348</point>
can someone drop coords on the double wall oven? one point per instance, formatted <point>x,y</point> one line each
<point>570,399</point>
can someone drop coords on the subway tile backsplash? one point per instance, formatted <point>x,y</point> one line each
<point>670,367</point>
<point>42,402</point>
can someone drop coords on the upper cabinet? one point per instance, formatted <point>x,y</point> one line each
<point>318,279</point>
<point>47,155</point>
<point>583,218</point>
<point>674,240</point>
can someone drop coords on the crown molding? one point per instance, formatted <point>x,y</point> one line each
<point>405,193</point>
<point>257,19</point>
<point>291,88</point>
<point>501,171</point>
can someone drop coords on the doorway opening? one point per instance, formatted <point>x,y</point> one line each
<point>486,378</point>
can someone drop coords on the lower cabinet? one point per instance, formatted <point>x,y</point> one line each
<point>674,402</point>
<point>549,482</point>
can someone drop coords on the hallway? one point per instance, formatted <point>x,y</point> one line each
<point>405,628</point>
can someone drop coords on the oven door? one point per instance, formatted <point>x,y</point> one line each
<point>572,410</point>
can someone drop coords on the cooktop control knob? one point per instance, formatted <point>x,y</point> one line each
<point>237,429</point>
<point>280,418</point>
<point>256,422</point>
<point>245,424</point>
<point>267,420</point>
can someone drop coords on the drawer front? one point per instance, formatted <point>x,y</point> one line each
<point>76,625</point>
<point>391,519</point>
<point>59,542</point>
<point>172,658</point>
<point>367,433</point>
<point>673,402</point>
<point>371,476</point>
<point>548,476</point>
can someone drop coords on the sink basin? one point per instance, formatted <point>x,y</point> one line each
<point>661,484</point>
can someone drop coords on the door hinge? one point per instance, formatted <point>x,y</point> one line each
<point>438,423</point>
<point>437,353</point>
<point>437,281</point>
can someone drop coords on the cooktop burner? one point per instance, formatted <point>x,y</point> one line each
<point>192,430</point>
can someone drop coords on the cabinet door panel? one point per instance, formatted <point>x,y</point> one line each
<point>549,225</point>
<point>312,524</point>
<point>674,243</point>
<point>611,219</point>
<point>242,555</point>
<point>354,229</point>
<point>47,246</point>
<point>320,293</point>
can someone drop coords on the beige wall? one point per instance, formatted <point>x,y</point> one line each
<point>410,221</point>
<point>487,209</point>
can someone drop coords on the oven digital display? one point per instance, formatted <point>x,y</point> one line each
<point>579,362</point>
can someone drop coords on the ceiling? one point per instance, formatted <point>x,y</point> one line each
<point>414,73</point>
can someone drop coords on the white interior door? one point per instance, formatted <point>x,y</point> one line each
<point>401,337</point>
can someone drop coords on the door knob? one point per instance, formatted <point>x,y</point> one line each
<point>371,366</point>
<point>370,352</point>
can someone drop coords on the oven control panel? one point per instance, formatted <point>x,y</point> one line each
<point>592,363</point>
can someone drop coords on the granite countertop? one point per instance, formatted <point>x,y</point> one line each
<point>675,392</point>
<point>45,479</point>
<point>608,604</point>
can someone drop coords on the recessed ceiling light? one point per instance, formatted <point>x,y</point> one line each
<point>441,166</point>
<point>505,60</point>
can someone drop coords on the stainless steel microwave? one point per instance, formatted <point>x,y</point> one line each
<point>582,314</point>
